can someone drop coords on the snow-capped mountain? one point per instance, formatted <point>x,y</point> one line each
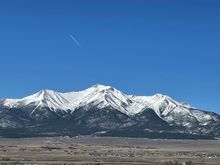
<point>104,108</point>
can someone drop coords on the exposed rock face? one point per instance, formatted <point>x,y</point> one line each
<point>104,110</point>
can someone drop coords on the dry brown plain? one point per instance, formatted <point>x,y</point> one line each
<point>108,150</point>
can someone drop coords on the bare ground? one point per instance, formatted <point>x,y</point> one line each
<point>108,150</point>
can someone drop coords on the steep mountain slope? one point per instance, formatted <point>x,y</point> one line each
<point>175,112</point>
<point>103,108</point>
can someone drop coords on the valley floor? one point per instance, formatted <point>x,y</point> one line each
<point>108,150</point>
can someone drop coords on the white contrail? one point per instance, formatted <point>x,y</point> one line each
<point>75,41</point>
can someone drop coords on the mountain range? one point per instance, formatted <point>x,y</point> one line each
<point>104,111</point>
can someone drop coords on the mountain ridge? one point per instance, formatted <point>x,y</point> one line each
<point>45,93</point>
<point>99,107</point>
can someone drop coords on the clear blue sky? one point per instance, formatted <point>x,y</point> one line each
<point>141,47</point>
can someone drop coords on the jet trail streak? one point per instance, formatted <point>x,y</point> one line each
<point>75,41</point>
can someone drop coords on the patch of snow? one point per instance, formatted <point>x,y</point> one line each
<point>101,96</point>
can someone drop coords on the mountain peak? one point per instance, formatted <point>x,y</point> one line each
<point>161,95</point>
<point>41,95</point>
<point>101,96</point>
<point>102,99</point>
<point>43,92</point>
<point>46,91</point>
<point>101,87</point>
